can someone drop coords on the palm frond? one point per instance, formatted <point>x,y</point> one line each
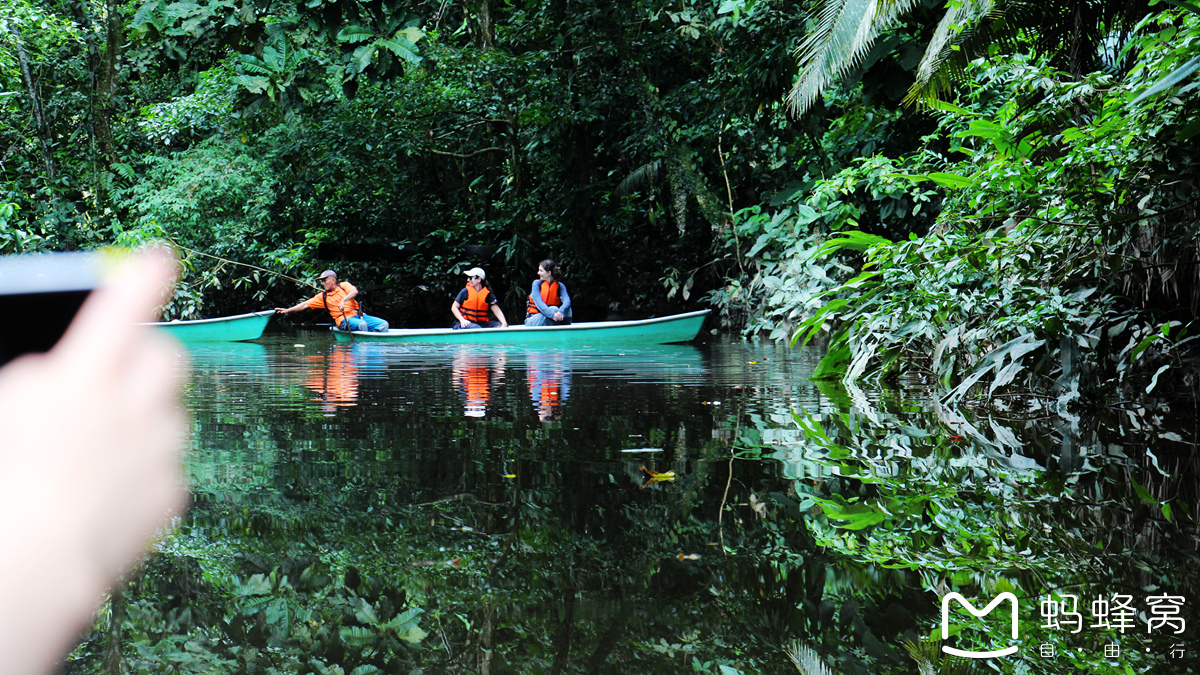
<point>928,655</point>
<point>845,31</point>
<point>642,177</point>
<point>806,659</point>
<point>942,61</point>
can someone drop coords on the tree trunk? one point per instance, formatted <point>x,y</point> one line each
<point>562,644</point>
<point>114,41</point>
<point>35,103</point>
<point>114,661</point>
<point>485,37</point>
<point>486,623</point>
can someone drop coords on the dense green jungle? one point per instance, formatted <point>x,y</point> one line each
<point>997,198</point>
<point>994,200</point>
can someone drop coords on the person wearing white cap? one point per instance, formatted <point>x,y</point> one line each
<point>471,305</point>
<point>343,308</point>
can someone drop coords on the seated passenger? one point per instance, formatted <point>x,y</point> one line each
<point>471,306</point>
<point>549,304</point>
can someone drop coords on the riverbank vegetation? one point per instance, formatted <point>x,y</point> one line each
<point>1037,212</point>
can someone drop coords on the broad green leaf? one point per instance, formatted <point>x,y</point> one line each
<point>363,57</point>
<point>852,240</point>
<point>1144,344</point>
<point>255,84</point>
<point>365,612</point>
<point>984,129</point>
<point>413,634</point>
<point>950,180</point>
<point>402,48</point>
<point>357,635</point>
<point>1143,493</point>
<point>355,34</point>
<point>938,104</point>
<point>856,516</point>
<point>412,34</point>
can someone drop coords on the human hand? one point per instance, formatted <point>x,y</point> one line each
<point>90,439</point>
<point>558,316</point>
<point>281,310</point>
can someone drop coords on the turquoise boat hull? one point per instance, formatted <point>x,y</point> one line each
<point>222,329</point>
<point>663,330</point>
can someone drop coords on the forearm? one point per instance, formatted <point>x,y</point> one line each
<point>294,308</point>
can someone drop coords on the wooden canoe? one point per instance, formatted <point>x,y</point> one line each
<point>663,330</point>
<point>221,329</point>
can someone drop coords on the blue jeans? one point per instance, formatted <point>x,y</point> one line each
<point>540,319</point>
<point>364,322</point>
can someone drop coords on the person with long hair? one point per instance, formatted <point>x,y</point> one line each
<point>472,304</point>
<point>549,303</point>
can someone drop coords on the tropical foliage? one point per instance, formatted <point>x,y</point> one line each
<point>1059,263</point>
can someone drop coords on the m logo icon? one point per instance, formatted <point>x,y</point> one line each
<point>978,612</point>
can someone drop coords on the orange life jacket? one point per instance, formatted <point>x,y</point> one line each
<point>548,394</point>
<point>331,299</point>
<point>475,309</point>
<point>549,296</point>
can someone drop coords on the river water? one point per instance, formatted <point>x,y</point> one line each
<point>686,508</point>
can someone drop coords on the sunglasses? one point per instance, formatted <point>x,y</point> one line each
<point>474,276</point>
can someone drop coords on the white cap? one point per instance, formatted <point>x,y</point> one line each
<point>475,272</point>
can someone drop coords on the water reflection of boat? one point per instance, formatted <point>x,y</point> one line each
<point>549,376</point>
<point>658,363</point>
<point>334,377</point>
<point>230,358</point>
<point>475,372</point>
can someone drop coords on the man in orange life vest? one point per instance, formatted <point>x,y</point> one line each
<point>471,305</point>
<point>343,308</point>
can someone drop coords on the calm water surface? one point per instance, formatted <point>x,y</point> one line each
<point>387,508</point>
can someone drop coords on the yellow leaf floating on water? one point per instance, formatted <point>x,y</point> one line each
<point>653,477</point>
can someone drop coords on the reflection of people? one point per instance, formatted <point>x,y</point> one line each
<point>549,304</point>
<point>549,384</point>
<point>90,439</point>
<point>343,308</point>
<point>474,376</point>
<point>334,377</point>
<point>472,303</point>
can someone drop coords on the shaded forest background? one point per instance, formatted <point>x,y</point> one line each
<point>1020,217</point>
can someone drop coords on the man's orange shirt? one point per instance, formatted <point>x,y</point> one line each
<point>335,298</point>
